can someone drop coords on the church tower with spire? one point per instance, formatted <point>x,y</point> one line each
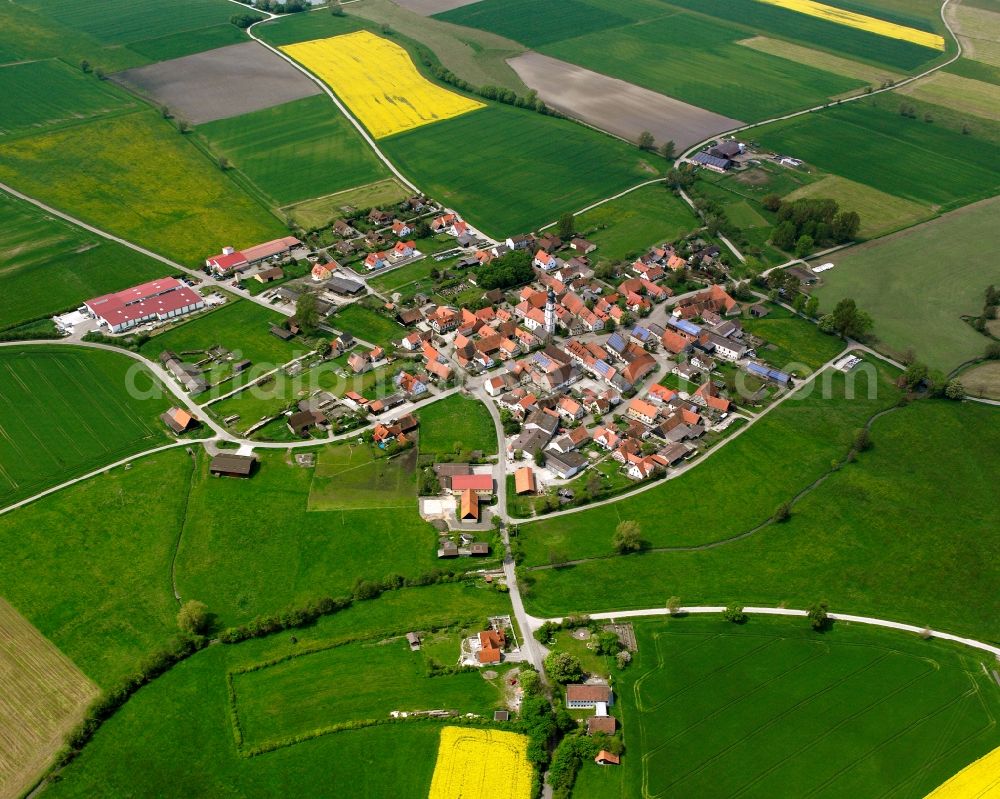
<point>550,313</point>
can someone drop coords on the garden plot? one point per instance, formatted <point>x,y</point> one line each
<point>221,83</point>
<point>616,106</point>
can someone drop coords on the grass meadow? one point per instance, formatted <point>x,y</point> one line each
<point>64,412</point>
<point>918,283</point>
<point>790,340</point>
<point>703,64</point>
<point>42,695</point>
<point>94,580</point>
<point>184,207</point>
<point>242,564</point>
<point>180,729</point>
<point>747,479</point>
<point>367,325</point>
<point>880,213</point>
<point>323,210</point>
<point>240,326</point>
<point>47,265</point>
<point>892,713</point>
<point>868,538</point>
<point>321,689</point>
<point>296,151</point>
<point>929,163</point>
<point>350,477</point>
<point>456,424</point>
<point>539,166</point>
<point>625,227</point>
<point>51,93</point>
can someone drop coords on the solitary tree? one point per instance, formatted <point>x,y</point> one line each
<point>306,314</point>
<point>85,65</point>
<point>668,150</point>
<point>563,667</point>
<point>646,140</point>
<point>850,321</point>
<point>818,614</point>
<point>674,605</point>
<point>812,306</point>
<point>224,163</point>
<point>783,512</point>
<point>193,617</point>
<point>566,226</point>
<point>734,613</point>
<point>627,537</point>
<point>955,390</point>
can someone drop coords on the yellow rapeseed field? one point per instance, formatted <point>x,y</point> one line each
<point>862,22</point>
<point>377,80</point>
<point>473,763</point>
<point>979,780</point>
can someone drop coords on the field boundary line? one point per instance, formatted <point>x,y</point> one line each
<point>336,101</point>
<point>873,621</point>
<point>96,472</point>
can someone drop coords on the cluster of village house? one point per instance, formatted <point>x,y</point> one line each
<point>551,386</point>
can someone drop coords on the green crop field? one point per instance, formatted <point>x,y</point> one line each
<point>820,33</point>
<point>321,689</point>
<point>892,714</point>
<point>126,21</point>
<point>66,411</point>
<point>180,729</point>
<point>296,151</point>
<point>539,168</point>
<point>929,163</point>
<point>625,227</point>
<point>242,564</point>
<point>46,94</point>
<point>456,424</point>
<point>537,23</point>
<point>702,63</point>
<point>792,341</point>
<point>177,45</point>
<point>349,477</point>
<point>137,177</point>
<point>241,326</point>
<point>770,462</point>
<point>95,581</point>
<point>27,36</point>
<point>868,538</point>
<point>917,284</point>
<point>47,265</point>
<point>367,325</point>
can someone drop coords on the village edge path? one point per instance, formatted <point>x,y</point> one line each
<point>764,611</point>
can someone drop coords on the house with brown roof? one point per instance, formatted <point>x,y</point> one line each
<point>605,724</point>
<point>229,464</point>
<point>588,696</point>
<point>491,646</point>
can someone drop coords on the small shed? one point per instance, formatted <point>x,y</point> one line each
<point>606,758</point>
<point>414,641</point>
<point>229,464</point>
